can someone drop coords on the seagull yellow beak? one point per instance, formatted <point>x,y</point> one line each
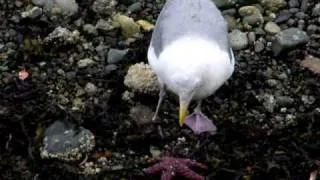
<point>183,112</point>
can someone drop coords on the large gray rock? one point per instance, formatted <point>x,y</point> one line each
<point>289,39</point>
<point>66,142</point>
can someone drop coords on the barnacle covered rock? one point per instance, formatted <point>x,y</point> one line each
<point>141,78</point>
<point>65,141</point>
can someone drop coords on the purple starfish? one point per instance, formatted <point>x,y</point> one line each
<point>170,167</point>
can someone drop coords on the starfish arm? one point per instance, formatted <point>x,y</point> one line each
<point>184,171</point>
<point>154,169</point>
<point>192,163</point>
<point>167,175</point>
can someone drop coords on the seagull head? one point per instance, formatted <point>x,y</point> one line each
<point>185,85</point>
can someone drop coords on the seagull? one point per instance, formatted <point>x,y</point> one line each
<point>191,56</point>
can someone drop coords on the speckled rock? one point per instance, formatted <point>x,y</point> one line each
<point>62,36</point>
<point>272,28</point>
<point>66,142</point>
<point>273,5</point>
<point>288,39</point>
<point>141,78</point>
<point>238,39</point>
<point>316,10</point>
<point>62,7</point>
<point>104,7</point>
<point>105,25</point>
<point>90,29</point>
<point>32,13</point>
<point>90,88</point>
<point>85,62</point>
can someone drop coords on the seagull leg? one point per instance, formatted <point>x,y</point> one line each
<point>162,93</point>
<point>199,122</point>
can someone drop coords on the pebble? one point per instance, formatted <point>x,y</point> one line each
<point>68,8</point>
<point>90,29</point>
<point>109,68</point>
<point>273,5</point>
<point>311,29</point>
<point>238,39</point>
<point>283,16</point>
<point>224,3</point>
<point>251,37</point>
<point>85,62</point>
<point>294,3</point>
<point>90,88</point>
<point>129,27</point>
<point>259,46</point>
<point>105,25</point>
<point>135,7</point>
<point>104,7</point>
<point>32,13</point>
<point>308,100</point>
<point>284,101</point>
<point>116,55</point>
<point>316,10</point>
<point>251,15</point>
<point>288,39</point>
<point>272,28</point>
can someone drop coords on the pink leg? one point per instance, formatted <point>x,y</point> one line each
<point>199,122</point>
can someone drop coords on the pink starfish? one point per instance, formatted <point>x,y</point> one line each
<point>170,167</point>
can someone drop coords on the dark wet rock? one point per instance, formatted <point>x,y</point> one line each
<point>293,3</point>
<point>65,141</point>
<point>283,16</point>
<point>32,13</point>
<point>288,39</point>
<point>141,114</point>
<point>116,55</point>
<point>109,68</point>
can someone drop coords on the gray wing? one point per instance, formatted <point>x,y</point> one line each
<point>197,17</point>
